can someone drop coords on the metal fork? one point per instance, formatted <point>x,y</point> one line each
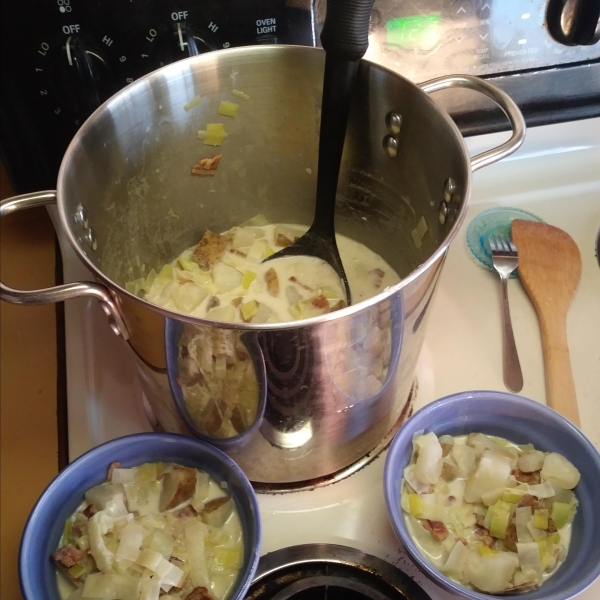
<point>505,260</point>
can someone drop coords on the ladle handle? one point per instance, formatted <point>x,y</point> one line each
<point>345,33</point>
<point>67,291</point>
<point>345,39</point>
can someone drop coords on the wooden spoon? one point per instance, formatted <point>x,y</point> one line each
<point>550,270</point>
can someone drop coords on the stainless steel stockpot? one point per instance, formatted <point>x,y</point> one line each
<point>289,401</point>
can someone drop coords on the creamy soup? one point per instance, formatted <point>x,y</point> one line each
<point>492,515</point>
<point>157,530</point>
<point>223,277</point>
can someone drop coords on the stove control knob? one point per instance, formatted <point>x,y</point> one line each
<point>574,22</point>
<point>80,77</point>
<point>183,41</point>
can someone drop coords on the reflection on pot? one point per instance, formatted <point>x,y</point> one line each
<point>373,339</point>
<point>213,377</point>
<point>289,365</point>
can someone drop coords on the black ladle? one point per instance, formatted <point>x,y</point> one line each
<point>345,41</point>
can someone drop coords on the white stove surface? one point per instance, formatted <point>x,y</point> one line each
<point>556,175</point>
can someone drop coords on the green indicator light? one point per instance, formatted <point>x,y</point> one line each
<point>419,31</point>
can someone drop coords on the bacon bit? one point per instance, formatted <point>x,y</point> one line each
<point>206,167</point>
<point>437,529</point>
<point>238,252</point>
<point>111,467</point>
<point>484,536</point>
<point>272,282</point>
<point>530,478</point>
<point>283,240</point>
<point>295,280</point>
<point>236,302</point>
<point>480,520</point>
<point>89,511</point>
<point>199,593</point>
<point>241,355</point>
<point>68,556</point>
<point>320,302</point>
<point>376,277</point>
<point>213,303</point>
<point>188,512</point>
<point>210,248</point>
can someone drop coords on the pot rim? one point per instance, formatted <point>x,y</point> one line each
<point>170,71</point>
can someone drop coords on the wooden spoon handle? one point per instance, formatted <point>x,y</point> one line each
<point>560,387</point>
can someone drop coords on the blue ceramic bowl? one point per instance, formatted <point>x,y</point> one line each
<point>60,499</point>
<point>522,421</point>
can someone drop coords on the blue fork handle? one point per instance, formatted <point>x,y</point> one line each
<point>513,376</point>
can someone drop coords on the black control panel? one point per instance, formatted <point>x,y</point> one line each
<point>62,58</point>
<point>429,38</point>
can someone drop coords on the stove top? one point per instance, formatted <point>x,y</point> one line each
<point>554,175</point>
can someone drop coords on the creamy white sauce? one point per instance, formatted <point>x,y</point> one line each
<point>437,552</point>
<point>220,586</point>
<point>299,279</point>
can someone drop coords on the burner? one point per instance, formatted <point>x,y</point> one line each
<point>311,484</point>
<point>330,572</point>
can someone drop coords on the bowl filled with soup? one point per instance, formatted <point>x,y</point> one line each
<point>494,494</point>
<point>142,517</point>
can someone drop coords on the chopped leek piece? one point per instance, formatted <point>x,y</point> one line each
<point>148,471</point>
<point>486,551</point>
<point>188,265</point>
<point>554,538</point>
<point>522,518</point>
<point>530,557</point>
<point>256,221</point>
<point>215,134</point>
<point>561,513</point>
<point>512,495</point>
<point>269,251</point>
<point>193,102</point>
<point>488,517</point>
<point>77,571</point>
<point>499,521</point>
<point>240,94</point>
<point>228,109</point>
<point>415,504</point>
<point>249,309</point>
<point>248,278</point>
<point>68,530</point>
<point>540,519</point>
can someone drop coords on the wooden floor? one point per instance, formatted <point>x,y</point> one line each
<point>28,451</point>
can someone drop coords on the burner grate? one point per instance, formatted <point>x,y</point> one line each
<point>330,572</point>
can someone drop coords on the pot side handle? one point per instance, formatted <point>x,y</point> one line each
<point>60,292</point>
<point>509,108</point>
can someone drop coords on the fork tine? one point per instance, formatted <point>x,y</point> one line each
<point>505,246</point>
<point>492,242</point>
<point>513,247</point>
